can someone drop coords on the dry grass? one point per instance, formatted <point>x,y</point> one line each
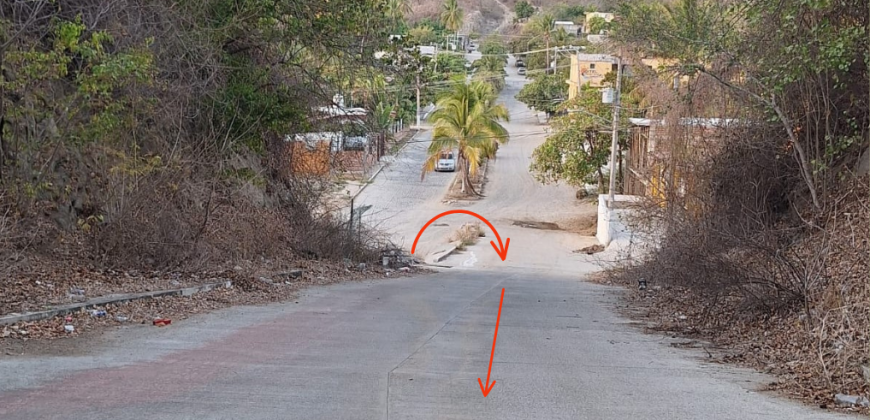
<point>467,235</point>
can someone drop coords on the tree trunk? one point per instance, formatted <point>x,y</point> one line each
<point>464,172</point>
<point>2,114</point>
<point>620,176</point>
<point>600,181</point>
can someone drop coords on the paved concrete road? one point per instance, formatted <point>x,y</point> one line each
<point>409,348</point>
<point>393,349</point>
<point>402,202</point>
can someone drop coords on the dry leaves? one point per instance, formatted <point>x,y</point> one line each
<point>247,288</point>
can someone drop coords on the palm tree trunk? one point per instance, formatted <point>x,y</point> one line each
<point>463,166</point>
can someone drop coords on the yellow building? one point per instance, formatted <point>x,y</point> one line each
<point>588,68</point>
<point>660,66</point>
<point>657,63</point>
<point>608,17</point>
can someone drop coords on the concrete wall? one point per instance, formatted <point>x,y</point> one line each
<point>612,216</point>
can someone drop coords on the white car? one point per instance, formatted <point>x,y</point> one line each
<point>446,162</point>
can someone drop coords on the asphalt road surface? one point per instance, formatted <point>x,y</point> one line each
<point>411,348</point>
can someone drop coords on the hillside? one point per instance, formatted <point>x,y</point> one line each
<point>149,134</point>
<point>487,14</point>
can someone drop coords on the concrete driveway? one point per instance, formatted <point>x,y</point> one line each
<point>410,348</point>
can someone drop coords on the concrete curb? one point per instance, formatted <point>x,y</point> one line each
<point>441,255</point>
<point>369,181</point>
<point>105,300</point>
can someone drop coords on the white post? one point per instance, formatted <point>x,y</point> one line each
<point>418,99</point>
<point>436,60</point>
<point>615,143</point>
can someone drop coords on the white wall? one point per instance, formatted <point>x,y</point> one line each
<point>611,218</point>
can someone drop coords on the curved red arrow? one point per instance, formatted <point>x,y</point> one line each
<point>501,251</point>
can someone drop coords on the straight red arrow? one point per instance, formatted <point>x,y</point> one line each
<point>488,387</point>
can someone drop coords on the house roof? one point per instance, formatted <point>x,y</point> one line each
<point>703,122</point>
<point>643,122</point>
<point>337,111</point>
<point>596,57</point>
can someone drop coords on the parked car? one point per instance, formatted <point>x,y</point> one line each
<point>520,63</point>
<point>446,162</point>
<point>521,71</point>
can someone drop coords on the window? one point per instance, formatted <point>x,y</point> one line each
<point>592,66</point>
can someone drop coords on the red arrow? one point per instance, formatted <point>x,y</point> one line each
<point>502,251</point>
<point>488,387</point>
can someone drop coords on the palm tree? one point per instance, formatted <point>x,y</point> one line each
<point>492,63</point>
<point>451,16</point>
<point>544,26</point>
<point>467,119</point>
<point>397,10</point>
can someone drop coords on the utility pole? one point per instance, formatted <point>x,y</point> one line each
<point>615,143</point>
<point>418,98</point>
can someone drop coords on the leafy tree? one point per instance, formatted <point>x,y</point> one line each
<point>435,24</point>
<point>545,93</point>
<point>598,24</point>
<point>543,27</point>
<point>573,13</point>
<point>493,45</point>
<point>580,144</point>
<point>524,9</point>
<point>423,35</point>
<point>492,63</point>
<point>449,65</point>
<point>467,120</point>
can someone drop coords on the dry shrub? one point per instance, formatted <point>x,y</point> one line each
<point>738,246</point>
<point>737,243</point>
<point>467,234</point>
<point>167,222</point>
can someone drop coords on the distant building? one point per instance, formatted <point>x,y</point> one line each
<point>462,41</point>
<point>647,170</point>
<point>570,27</point>
<point>608,17</point>
<point>427,50</point>
<point>588,68</point>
